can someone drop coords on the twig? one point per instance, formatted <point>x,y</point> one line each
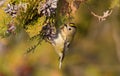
<point>100,18</point>
<point>104,16</point>
<point>31,49</point>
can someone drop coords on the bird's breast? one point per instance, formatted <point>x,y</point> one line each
<point>59,40</point>
<point>59,44</point>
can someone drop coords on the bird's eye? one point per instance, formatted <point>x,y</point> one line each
<point>69,28</point>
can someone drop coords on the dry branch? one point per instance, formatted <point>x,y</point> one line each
<point>104,16</point>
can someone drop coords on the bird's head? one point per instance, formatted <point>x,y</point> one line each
<point>68,30</point>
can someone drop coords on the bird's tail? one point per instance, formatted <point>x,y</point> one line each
<point>60,65</point>
<point>61,57</point>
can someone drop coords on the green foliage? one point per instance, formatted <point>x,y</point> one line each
<point>33,29</point>
<point>30,15</point>
<point>4,20</point>
<point>30,19</point>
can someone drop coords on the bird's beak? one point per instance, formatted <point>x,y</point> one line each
<point>65,25</point>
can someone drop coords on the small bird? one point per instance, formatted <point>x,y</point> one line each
<point>62,40</point>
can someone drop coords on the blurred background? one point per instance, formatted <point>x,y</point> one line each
<point>95,49</point>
